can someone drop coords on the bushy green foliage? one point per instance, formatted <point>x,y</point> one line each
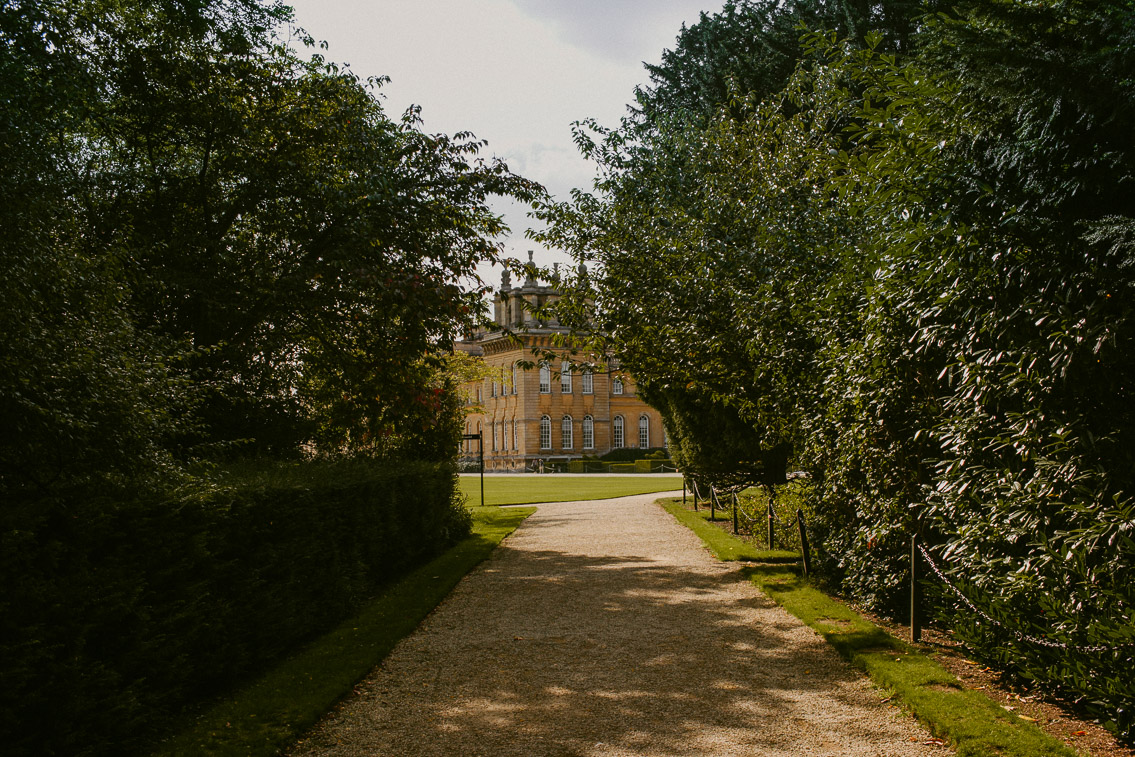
<point>117,612</point>
<point>628,454</point>
<point>206,226</point>
<point>914,273</point>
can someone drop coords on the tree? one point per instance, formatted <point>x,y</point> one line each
<point>913,268</point>
<point>752,47</point>
<point>269,256</point>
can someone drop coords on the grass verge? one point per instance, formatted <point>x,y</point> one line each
<point>974,724</point>
<point>524,490</point>
<point>271,713</point>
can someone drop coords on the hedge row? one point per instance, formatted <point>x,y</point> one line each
<point>116,615</point>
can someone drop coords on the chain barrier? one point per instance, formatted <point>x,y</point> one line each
<point>776,517</point>
<point>1090,649</point>
<point>746,515</point>
<point>760,519</point>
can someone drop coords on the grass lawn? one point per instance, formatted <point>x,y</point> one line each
<point>561,487</point>
<point>272,712</point>
<point>975,725</point>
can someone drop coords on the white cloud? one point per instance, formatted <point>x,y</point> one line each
<point>516,73</point>
<point>625,30</point>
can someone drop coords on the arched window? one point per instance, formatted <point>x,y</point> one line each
<point>515,439</point>
<point>588,432</point>
<point>617,385</point>
<point>504,436</point>
<point>566,432</point>
<point>545,379</point>
<point>617,438</point>
<point>588,382</point>
<point>545,433</point>
<point>643,432</point>
<point>565,377</point>
<point>514,383</point>
<point>494,436</point>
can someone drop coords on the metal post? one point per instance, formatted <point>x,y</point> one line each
<point>712,503</point>
<point>915,593</point>
<point>770,516</point>
<point>734,513</point>
<point>805,550</point>
<point>694,486</point>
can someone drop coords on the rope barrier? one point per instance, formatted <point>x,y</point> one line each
<point>1089,649</point>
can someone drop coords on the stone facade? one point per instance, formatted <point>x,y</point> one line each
<point>573,412</point>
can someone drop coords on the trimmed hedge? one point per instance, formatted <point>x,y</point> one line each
<point>116,615</point>
<point>588,465</point>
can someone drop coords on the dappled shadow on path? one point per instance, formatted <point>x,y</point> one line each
<point>553,653</point>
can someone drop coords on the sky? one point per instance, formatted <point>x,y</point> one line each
<point>516,73</point>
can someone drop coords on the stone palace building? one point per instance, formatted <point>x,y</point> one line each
<point>551,412</point>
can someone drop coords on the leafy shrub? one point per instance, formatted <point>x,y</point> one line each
<point>114,615</point>
<point>630,454</point>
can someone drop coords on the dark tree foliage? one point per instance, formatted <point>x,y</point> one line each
<point>207,228</point>
<point>754,46</point>
<point>915,271</point>
<point>214,246</point>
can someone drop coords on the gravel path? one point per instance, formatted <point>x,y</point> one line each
<point>605,628</point>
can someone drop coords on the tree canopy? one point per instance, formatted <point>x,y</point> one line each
<point>219,243</point>
<point>909,264</point>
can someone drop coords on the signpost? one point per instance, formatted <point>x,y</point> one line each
<point>481,453</point>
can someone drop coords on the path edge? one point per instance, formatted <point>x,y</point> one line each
<point>969,721</point>
<point>273,712</point>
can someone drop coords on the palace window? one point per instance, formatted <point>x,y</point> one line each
<point>617,432</point>
<point>617,385</point>
<point>643,432</point>
<point>545,379</point>
<point>515,440</point>
<point>565,378</point>
<point>588,432</point>
<point>588,382</point>
<point>514,381</point>
<point>566,432</point>
<point>545,433</point>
